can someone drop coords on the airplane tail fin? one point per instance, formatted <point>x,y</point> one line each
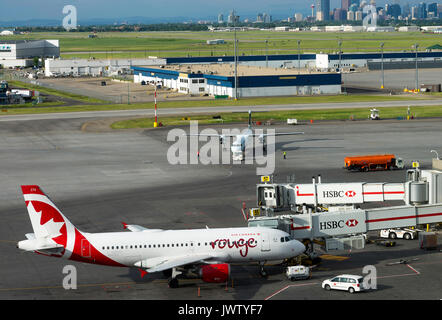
<point>49,224</point>
<point>250,119</point>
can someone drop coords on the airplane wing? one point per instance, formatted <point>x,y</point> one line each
<point>165,263</point>
<point>137,228</point>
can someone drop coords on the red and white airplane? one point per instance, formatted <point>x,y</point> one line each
<point>205,253</point>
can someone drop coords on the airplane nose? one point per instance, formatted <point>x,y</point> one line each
<point>299,247</point>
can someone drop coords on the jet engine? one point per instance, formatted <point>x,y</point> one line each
<point>215,273</point>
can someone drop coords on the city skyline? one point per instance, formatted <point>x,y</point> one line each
<point>23,10</point>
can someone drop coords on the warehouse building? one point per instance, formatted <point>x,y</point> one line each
<point>94,67</point>
<point>252,81</point>
<point>373,61</point>
<point>20,53</point>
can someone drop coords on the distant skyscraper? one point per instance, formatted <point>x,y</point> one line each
<point>414,13</point>
<point>231,18</point>
<point>406,10</point>
<point>432,7</point>
<point>267,18</point>
<point>339,14</point>
<point>323,10</point>
<point>220,18</point>
<point>345,4</point>
<point>422,10</point>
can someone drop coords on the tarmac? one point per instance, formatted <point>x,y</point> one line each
<point>98,179</point>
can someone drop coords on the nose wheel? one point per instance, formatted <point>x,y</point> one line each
<point>262,271</point>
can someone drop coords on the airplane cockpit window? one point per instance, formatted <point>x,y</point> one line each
<point>282,239</point>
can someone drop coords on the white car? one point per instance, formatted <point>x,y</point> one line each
<point>406,234</point>
<point>346,282</point>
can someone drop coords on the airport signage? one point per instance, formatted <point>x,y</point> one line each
<point>329,193</point>
<point>336,224</point>
<point>265,179</point>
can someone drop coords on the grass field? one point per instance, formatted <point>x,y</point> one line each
<point>282,116</point>
<point>208,103</point>
<point>173,44</point>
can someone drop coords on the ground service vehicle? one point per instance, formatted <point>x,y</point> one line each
<point>373,162</point>
<point>298,273</point>
<point>346,282</point>
<point>406,234</point>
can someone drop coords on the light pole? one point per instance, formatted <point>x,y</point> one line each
<point>236,58</point>
<point>416,46</point>
<point>267,54</point>
<point>382,64</point>
<point>340,44</point>
<point>299,56</point>
<point>437,155</point>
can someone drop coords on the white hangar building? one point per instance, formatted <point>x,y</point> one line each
<point>20,53</point>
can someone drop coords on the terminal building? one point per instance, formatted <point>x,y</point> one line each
<point>20,53</point>
<point>251,81</point>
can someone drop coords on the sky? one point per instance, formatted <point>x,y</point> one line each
<point>196,9</point>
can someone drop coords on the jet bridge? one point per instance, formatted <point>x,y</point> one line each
<point>331,210</point>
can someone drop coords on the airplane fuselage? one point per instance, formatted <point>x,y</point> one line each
<point>232,244</point>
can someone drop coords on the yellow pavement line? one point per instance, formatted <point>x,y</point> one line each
<point>334,258</point>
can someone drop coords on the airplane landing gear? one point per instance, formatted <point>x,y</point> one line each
<point>173,281</point>
<point>262,271</point>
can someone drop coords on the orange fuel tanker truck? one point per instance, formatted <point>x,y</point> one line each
<point>373,162</point>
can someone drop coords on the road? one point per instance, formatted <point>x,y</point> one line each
<point>196,110</point>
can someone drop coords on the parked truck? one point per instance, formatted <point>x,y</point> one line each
<point>373,162</point>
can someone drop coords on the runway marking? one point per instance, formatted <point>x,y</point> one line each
<point>290,285</point>
<point>334,258</point>
<point>413,269</point>
<point>9,241</point>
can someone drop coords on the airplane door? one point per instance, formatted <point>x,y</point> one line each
<point>85,248</point>
<point>265,241</point>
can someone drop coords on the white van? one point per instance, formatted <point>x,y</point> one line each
<point>346,282</point>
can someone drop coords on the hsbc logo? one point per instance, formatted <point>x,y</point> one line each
<point>350,193</point>
<point>338,194</point>
<point>337,224</point>
<point>352,223</point>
